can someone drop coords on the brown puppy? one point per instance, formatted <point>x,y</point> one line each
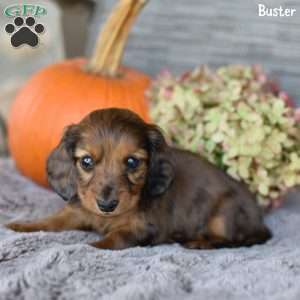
<point>121,179</point>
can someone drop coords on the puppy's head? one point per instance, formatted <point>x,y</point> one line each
<point>108,160</point>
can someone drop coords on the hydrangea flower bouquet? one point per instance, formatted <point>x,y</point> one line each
<point>238,120</point>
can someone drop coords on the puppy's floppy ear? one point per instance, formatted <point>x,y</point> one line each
<point>61,167</point>
<point>160,173</point>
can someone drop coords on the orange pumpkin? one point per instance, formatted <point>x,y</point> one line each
<point>64,93</point>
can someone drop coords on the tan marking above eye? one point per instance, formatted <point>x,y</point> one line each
<point>79,153</point>
<point>140,154</point>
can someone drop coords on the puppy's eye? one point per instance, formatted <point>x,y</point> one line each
<point>132,163</point>
<point>87,163</point>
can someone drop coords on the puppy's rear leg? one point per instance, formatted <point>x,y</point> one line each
<point>232,225</point>
<point>71,217</point>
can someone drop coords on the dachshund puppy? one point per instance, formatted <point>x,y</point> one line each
<point>121,179</point>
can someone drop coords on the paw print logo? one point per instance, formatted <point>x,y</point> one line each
<point>24,32</point>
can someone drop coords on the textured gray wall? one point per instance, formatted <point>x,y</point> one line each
<point>181,34</point>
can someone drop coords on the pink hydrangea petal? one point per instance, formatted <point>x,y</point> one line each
<point>287,99</point>
<point>225,146</point>
<point>297,115</point>
<point>168,92</point>
<point>184,76</point>
<point>164,73</point>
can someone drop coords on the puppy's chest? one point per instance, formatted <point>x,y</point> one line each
<point>104,225</point>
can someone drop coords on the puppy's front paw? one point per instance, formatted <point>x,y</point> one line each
<point>103,244</point>
<point>20,227</point>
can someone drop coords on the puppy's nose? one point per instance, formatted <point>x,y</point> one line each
<point>107,205</point>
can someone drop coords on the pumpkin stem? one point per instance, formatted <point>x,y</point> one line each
<point>110,45</point>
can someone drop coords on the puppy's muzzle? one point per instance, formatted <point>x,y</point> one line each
<point>107,200</point>
<point>107,205</point>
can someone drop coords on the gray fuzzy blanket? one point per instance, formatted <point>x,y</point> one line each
<point>47,265</point>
